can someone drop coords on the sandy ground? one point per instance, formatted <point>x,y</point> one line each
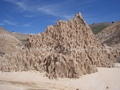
<point>104,79</point>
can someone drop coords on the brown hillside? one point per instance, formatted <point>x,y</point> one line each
<point>8,43</point>
<point>111,37</point>
<point>22,37</point>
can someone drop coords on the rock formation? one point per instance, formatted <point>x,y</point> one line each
<point>67,49</point>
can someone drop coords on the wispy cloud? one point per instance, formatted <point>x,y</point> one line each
<point>10,23</point>
<point>8,16</point>
<point>15,24</point>
<point>47,10</point>
<point>26,25</point>
<point>20,4</point>
<point>88,1</point>
<point>1,23</point>
<point>68,16</point>
<point>52,9</point>
<point>29,16</point>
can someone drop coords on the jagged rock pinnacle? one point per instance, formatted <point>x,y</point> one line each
<point>78,15</point>
<point>78,18</point>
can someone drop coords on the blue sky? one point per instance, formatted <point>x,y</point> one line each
<point>33,16</point>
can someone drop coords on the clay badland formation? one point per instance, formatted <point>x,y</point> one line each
<point>67,49</point>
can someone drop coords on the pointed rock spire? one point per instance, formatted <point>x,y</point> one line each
<point>78,18</point>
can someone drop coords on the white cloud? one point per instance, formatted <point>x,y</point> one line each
<point>88,1</point>
<point>16,24</point>
<point>52,9</point>
<point>20,4</point>
<point>29,16</point>
<point>10,23</point>
<point>55,9</point>
<point>1,23</point>
<point>26,25</point>
<point>68,16</point>
<point>8,16</point>
<point>47,11</point>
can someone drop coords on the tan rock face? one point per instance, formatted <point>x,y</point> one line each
<point>67,49</point>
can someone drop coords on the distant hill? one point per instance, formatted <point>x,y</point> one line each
<point>8,43</point>
<point>110,35</point>
<point>11,41</point>
<point>97,27</point>
<point>22,37</point>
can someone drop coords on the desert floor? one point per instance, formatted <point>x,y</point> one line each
<point>104,79</point>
